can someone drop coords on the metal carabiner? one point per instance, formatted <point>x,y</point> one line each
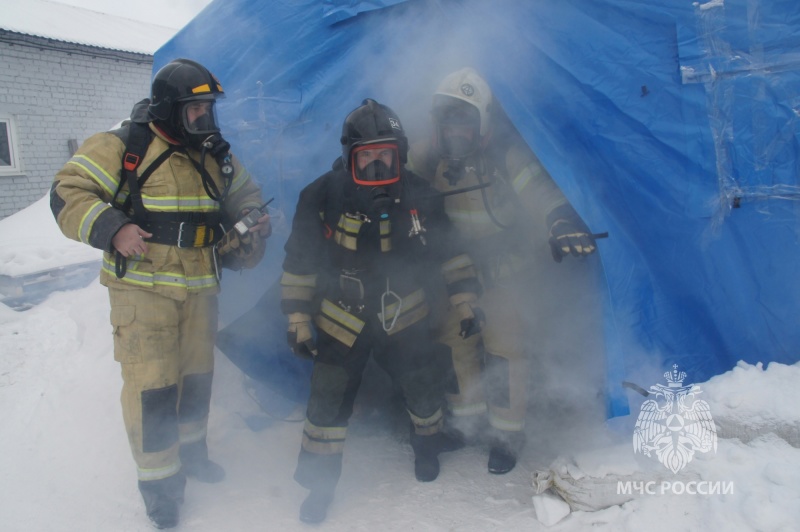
<point>363,218</point>
<point>383,307</point>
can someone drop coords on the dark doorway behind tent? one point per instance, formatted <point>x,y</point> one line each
<point>673,126</point>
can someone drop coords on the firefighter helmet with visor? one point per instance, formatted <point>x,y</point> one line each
<point>461,113</point>
<point>182,101</point>
<point>374,145</point>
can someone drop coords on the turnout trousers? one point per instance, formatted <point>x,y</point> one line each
<point>166,350</point>
<point>493,374</point>
<point>406,356</point>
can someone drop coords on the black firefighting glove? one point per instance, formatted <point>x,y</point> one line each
<point>570,236</point>
<point>300,336</point>
<point>472,317</point>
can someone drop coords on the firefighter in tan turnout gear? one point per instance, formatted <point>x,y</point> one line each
<point>496,191</point>
<point>153,195</point>
<point>364,239</point>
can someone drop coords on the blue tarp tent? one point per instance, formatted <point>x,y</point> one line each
<point>671,124</point>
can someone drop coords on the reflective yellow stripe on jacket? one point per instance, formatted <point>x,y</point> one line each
<point>347,231</point>
<point>386,235</point>
<point>179,203</point>
<point>413,308</point>
<point>458,268</point>
<point>107,181</point>
<point>147,279</point>
<point>87,222</point>
<point>298,287</point>
<point>338,323</point>
<point>346,234</point>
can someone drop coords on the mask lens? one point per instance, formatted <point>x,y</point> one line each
<point>457,129</point>
<point>376,164</point>
<point>199,117</point>
<point>455,144</point>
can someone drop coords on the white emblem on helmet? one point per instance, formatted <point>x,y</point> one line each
<point>467,89</point>
<point>394,123</point>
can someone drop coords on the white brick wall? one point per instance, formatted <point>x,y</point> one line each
<point>54,95</point>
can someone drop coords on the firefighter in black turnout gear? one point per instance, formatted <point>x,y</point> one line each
<point>364,239</point>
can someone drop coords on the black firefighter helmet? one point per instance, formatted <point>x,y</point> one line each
<point>182,101</point>
<point>375,131</point>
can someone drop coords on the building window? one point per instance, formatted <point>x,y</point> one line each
<point>9,154</point>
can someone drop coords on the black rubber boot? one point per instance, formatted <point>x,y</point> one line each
<point>318,473</point>
<point>501,460</point>
<point>426,451</point>
<point>315,508</point>
<point>506,446</point>
<point>426,467</point>
<point>195,463</point>
<point>161,499</point>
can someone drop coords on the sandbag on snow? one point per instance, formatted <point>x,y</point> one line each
<point>583,492</point>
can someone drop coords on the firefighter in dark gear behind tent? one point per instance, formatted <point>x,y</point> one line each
<point>496,191</point>
<point>364,238</point>
<point>158,222</point>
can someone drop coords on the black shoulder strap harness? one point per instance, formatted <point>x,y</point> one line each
<point>139,138</point>
<point>184,229</point>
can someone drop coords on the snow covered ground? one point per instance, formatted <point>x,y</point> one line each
<point>66,463</point>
